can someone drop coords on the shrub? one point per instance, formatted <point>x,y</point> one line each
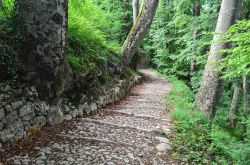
<point>11,40</point>
<point>193,141</point>
<point>88,44</point>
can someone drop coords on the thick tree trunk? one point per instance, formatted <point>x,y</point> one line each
<point>210,90</point>
<point>136,57</point>
<point>138,32</point>
<point>234,105</point>
<point>135,10</point>
<point>197,13</point>
<point>245,97</point>
<point>45,24</point>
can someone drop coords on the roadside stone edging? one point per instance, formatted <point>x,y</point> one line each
<point>19,115</point>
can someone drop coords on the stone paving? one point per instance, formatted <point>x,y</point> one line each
<point>129,132</point>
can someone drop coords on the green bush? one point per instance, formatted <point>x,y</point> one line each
<point>11,40</point>
<point>237,60</point>
<point>88,44</point>
<point>193,141</point>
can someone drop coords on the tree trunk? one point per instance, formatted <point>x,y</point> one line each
<point>135,10</point>
<point>197,13</point>
<point>245,97</point>
<point>210,90</point>
<point>138,32</point>
<point>136,57</point>
<point>234,105</point>
<point>45,25</point>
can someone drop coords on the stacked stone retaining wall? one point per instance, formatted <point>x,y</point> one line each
<point>21,110</point>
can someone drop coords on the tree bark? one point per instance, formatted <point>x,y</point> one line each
<point>136,57</point>
<point>234,105</point>
<point>210,90</point>
<point>245,97</point>
<point>138,31</point>
<point>135,10</point>
<point>197,13</point>
<point>45,25</point>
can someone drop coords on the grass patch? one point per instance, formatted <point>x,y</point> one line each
<point>192,141</point>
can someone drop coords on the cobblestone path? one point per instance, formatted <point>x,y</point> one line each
<point>129,132</point>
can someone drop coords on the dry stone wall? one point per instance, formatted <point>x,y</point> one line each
<point>21,109</point>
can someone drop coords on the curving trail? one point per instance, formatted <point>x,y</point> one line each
<point>129,132</point>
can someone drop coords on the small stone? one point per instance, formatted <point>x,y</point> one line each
<point>66,109</point>
<point>17,162</point>
<point>25,161</point>
<point>163,140</point>
<point>2,113</point>
<point>8,108</point>
<point>131,156</point>
<point>126,161</point>
<point>56,146</point>
<point>70,159</point>
<point>73,113</point>
<point>163,147</point>
<point>4,88</point>
<point>11,118</point>
<point>93,107</point>
<point>17,129</point>
<point>30,93</point>
<point>51,162</point>
<point>40,162</point>
<point>48,152</point>
<point>63,162</point>
<point>25,110</point>
<point>68,117</point>
<point>37,148</point>
<point>86,108</point>
<point>19,134</point>
<point>41,108</point>
<point>80,112</point>
<point>42,158</point>
<point>87,153</point>
<point>55,116</point>
<point>5,135</point>
<point>100,102</point>
<point>38,122</point>
<point>87,148</point>
<point>28,117</point>
<point>33,89</point>
<point>102,150</point>
<point>16,104</point>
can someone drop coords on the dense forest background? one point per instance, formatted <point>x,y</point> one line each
<point>178,44</point>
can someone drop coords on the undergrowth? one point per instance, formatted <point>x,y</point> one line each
<point>88,44</point>
<point>193,142</point>
<point>11,40</point>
